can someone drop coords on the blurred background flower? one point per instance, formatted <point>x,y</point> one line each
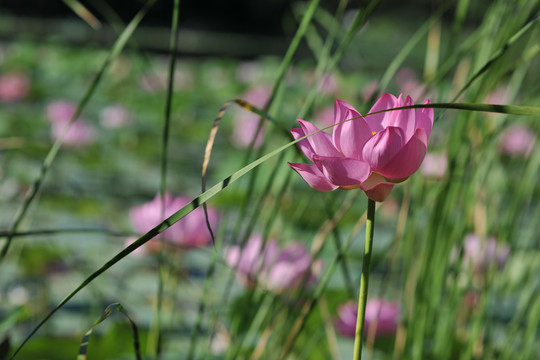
<point>482,254</point>
<point>379,312</point>
<point>189,232</point>
<point>434,165</point>
<point>80,133</point>
<point>517,140</point>
<point>14,87</point>
<point>246,122</point>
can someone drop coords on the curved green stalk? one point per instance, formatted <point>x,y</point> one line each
<point>364,281</point>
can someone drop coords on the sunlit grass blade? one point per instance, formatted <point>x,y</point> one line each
<point>498,54</point>
<point>83,13</point>
<point>108,311</point>
<point>51,155</point>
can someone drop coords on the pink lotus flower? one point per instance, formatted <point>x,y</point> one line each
<point>434,165</point>
<point>252,259</point>
<point>14,87</point>
<point>289,270</point>
<point>371,154</point>
<point>278,270</point>
<point>246,123</point>
<point>517,140</point>
<point>189,232</point>
<point>59,113</point>
<point>482,254</point>
<point>384,313</point>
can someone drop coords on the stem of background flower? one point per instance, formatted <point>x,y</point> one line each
<point>364,280</point>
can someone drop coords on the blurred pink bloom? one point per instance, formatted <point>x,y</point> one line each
<point>252,259</point>
<point>328,85</point>
<point>517,140</point>
<point>498,96</point>
<point>371,154</point>
<point>114,116</point>
<point>325,117</point>
<point>434,165</point>
<point>14,87</point>
<point>79,134</point>
<point>191,231</point>
<point>369,90</point>
<point>60,111</point>
<point>289,270</point>
<point>482,254</point>
<point>278,270</point>
<point>407,81</point>
<point>384,313</point>
<point>245,122</point>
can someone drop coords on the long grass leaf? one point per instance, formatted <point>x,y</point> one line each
<point>108,311</point>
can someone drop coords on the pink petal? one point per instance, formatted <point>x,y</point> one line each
<point>321,142</point>
<point>404,119</point>
<point>313,176</point>
<point>304,145</point>
<point>383,147</point>
<point>342,171</point>
<point>408,159</point>
<point>350,136</point>
<point>424,119</point>
<point>376,121</point>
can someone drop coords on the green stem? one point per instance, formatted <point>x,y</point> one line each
<point>364,280</point>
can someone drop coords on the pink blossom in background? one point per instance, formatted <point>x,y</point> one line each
<point>245,122</point>
<point>517,140</point>
<point>59,113</point>
<point>278,270</point>
<point>498,96</point>
<point>385,313</point>
<point>408,82</point>
<point>79,134</point>
<point>369,90</point>
<point>482,254</point>
<point>328,85</point>
<point>114,116</point>
<point>253,258</point>
<point>14,87</point>
<point>289,270</point>
<point>325,117</point>
<point>434,165</point>
<point>191,231</point>
<point>370,153</point>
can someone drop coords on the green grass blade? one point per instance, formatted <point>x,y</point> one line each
<point>108,311</point>
<point>498,54</point>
